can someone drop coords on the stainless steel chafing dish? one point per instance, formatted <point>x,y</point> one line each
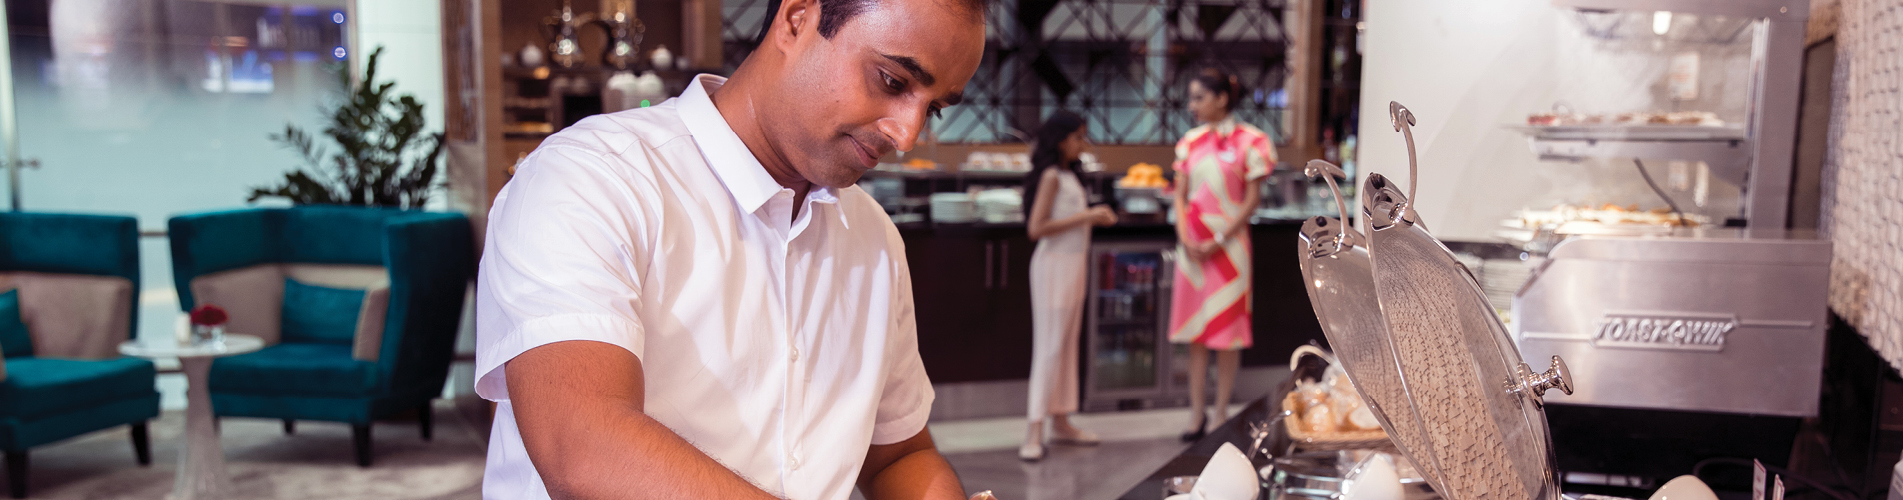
<point>1417,338</point>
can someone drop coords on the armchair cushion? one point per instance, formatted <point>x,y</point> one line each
<point>319,314</point>
<point>37,387</point>
<point>250,295</point>
<point>376,308</point>
<point>254,296</point>
<point>79,316</point>
<point>14,341</point>
<point>372,281</point>
<point>351,276</point>
<point>296,369</point>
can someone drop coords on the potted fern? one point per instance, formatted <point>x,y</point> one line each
<point>382,158</point>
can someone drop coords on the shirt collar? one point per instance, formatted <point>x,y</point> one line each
<point>741,172</point>
<point>828,196</point>
<point>1226,127</point>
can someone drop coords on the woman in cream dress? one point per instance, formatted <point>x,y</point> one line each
<point>1059,219</point>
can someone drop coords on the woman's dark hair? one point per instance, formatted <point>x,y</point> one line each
<point>1222,83</point>
<point>1046,154</point>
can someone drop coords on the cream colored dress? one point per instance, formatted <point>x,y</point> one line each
<point>1059,276</point>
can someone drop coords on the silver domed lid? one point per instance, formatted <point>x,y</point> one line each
<point>1338,276</point>
<point>1444,377</point>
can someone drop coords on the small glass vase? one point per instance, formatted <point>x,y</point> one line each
<point>208,335</point>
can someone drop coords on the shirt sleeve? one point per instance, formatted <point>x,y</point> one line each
<point>1182,152</point>
<point>562,258</point>
<point>1260,156</point>
<point>905,404</point>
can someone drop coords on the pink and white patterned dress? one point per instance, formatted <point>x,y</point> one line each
<point>1210,300</point>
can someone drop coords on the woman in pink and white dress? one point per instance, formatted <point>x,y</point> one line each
<point>1219,169</point>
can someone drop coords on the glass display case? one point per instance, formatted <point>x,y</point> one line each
<point>1697,92</point>
<point>1703,94</point>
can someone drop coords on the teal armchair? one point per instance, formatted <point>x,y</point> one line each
<point>358,308</point>
<point>67,286</point>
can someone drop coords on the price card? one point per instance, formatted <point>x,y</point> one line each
<point>1777,488</point>
<point>1682,77</point>
<point>1757,480</point>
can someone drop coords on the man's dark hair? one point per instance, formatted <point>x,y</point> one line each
<point>833,14</point>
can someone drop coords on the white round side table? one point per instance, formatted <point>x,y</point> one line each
<point>201,462</point>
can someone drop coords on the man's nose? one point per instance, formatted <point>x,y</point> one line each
<point>903,132</point>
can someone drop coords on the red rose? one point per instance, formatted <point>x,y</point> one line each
<point>209,315</point>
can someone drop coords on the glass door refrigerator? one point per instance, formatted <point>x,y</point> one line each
<point>1128,360</point>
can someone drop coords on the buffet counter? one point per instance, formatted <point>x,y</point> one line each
<point>972,294</point>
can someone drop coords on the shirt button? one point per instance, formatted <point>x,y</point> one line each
<point>794,461</point>
<point>796,355</point>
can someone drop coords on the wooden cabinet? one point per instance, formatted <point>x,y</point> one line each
<point>972,296</point>
<point>1280,312</point>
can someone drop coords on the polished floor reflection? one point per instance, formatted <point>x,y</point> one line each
<point>315,463</point>
<point>1136,443</point>
<point>1100,472</point>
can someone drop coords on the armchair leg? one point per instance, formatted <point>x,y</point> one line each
<point>290,427</point>
<point>423,419</point>
<point>16,474</point>
<point>141,444</point>
<point>361,434</point>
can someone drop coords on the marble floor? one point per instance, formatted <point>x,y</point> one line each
<point>315,463</point>
<point>264,463</point>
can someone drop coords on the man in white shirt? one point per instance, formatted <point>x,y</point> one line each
<point>694,301</point>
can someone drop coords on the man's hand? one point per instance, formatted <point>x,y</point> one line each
<point>578,406</point>
<point>909,469</point>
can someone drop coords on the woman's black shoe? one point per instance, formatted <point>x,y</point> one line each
<point>1202,429</point>
<point>1197,435</point>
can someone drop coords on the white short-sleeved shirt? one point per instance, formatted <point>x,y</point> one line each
<point>780,347</point>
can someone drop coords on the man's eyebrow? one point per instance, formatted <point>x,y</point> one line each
<point>911,66</point>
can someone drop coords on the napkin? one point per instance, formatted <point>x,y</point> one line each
<point>1686,487</point>
<point>1375,478</point>
<point>1228,476</point>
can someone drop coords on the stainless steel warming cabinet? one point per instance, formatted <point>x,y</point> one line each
<point>1713,321</point>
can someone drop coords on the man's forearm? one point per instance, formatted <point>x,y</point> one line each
<point>641,459</point>
<point>922,474</point>
<point>578,407</point>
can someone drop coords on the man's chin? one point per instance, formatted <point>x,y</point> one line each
<point>842,179</point>
<point>836,174</point>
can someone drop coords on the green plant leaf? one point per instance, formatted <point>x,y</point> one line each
<point>382,157</point>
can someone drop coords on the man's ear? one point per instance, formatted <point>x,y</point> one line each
<point>793,17</point>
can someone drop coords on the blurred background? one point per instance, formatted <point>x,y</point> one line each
<point>1586,162</point>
